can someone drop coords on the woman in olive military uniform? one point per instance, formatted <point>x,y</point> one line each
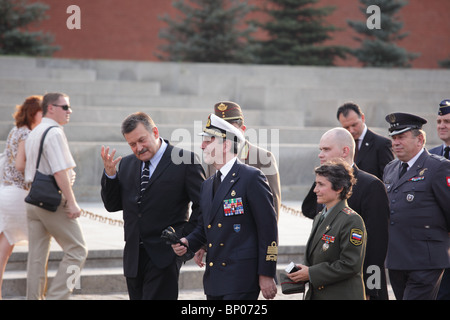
<point>336,247</point>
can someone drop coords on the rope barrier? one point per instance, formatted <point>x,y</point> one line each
<point>119,223</point>
<point>102,219</point>
<point>290,210</point>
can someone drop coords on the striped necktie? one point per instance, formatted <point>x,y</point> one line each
<point>145,176</point>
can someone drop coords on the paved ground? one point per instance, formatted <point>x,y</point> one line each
<point>183,295</point>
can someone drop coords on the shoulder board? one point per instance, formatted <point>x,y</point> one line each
<point>392,161</point>
<point>392,164</point>
<point>437,157</point>
<point>349,211</point>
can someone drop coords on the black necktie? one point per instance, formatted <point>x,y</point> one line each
<point>145,176</point>
<point>217,181</point>
<point>446,152</point>
<point>404,168</point>
<point>356,148</point>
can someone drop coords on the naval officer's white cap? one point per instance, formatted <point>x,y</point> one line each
<point>217,127</point>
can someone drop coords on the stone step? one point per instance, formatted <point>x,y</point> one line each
<point>96,259</point>
<point>335,85</point>
<point>136,101</point>
<point>174,74</point>
<point>186,133</point>
<point>105,281</point>
<point>296,164</point>
<point>92,281</point>
<point>179,116</point>
<point>103,272</point>
<point>17,61</point>
<point>18,72</point>
<point>75,88</point>
<point>296,161</point>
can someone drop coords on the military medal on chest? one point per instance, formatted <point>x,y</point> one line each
<point>233,206</point>
<point>328,239</point>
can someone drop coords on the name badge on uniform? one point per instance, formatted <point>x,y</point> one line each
<point>232,207</point>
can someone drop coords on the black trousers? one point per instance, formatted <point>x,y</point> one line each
<point>153,283</point>
<point>415,284</point>
<point>444,289</point>
<point>236,296</point>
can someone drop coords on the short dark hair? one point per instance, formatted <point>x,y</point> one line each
<point>347,107</point>
<point>49,98</point>
<point>131,122</point>
<point>340,174</point>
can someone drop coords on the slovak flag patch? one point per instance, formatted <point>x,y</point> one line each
<point>448,181</point>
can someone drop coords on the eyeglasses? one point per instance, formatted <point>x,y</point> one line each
<point>64,107</point>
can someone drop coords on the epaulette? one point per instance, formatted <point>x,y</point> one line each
<point>437,157</point>
<point>349,211</point>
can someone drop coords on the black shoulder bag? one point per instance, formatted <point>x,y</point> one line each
<point>44,191</point>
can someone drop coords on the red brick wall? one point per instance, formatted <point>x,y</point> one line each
<point>128,30</point>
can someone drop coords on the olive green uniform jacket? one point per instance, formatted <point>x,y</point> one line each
<point>335,254</point>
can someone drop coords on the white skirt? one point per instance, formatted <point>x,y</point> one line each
<point>13,214</point>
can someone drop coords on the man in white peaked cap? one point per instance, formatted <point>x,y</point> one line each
<point>238,224</point>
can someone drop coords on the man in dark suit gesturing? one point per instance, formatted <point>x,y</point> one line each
<point>238,224</point>
<point>154,191</point>
<point>372,151</point>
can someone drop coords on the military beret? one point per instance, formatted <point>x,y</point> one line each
<point>444,107</point>
<point>228,111</point>
<point>216,127</point>
<point>402,122</point>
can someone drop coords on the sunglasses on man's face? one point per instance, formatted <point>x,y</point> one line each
<point>64,107</point>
